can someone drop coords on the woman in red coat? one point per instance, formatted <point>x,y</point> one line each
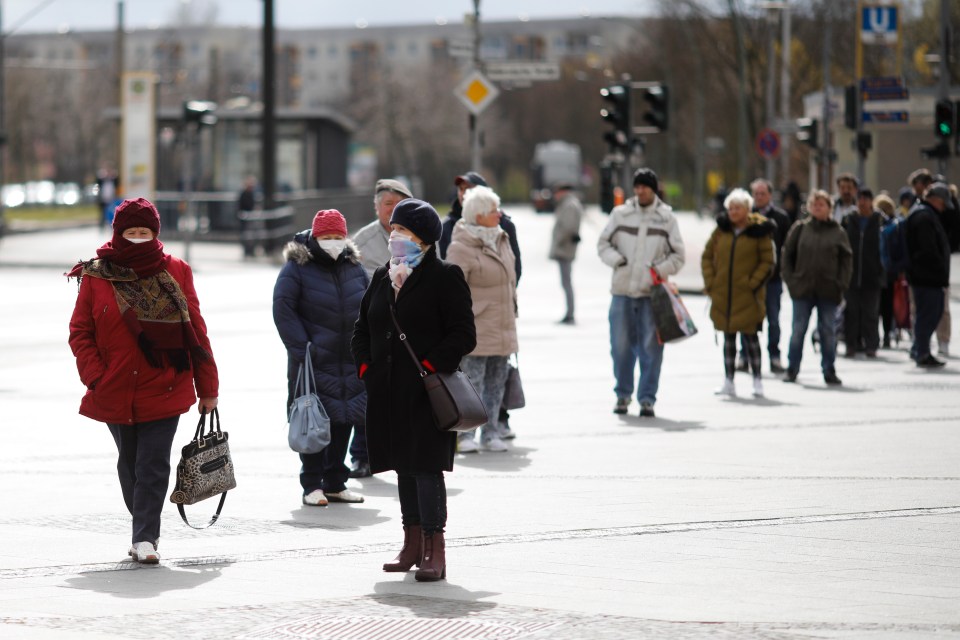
<point>141,347</point>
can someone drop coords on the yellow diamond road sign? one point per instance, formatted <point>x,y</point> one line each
<point>476,92</point>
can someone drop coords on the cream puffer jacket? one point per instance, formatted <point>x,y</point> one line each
<point>660,246</point>
<point>493,288</point>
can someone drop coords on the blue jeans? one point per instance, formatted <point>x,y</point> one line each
<point>929,302</point>
<point>633,336</point>
<point>826,324</point>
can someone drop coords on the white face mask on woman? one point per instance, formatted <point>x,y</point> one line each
<point>138,240</point>
<point>333,247</point>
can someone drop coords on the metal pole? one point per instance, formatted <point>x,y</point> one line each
<point>474,126</point>
<point>785,92</point>
<point>3,131</point>
<point>118,59</point>
<point>741,96</point>
<point>771,76</point>
<point>268,150</point>
<point>186,221</point>
<point>858,106</point>
<point>826,143</point>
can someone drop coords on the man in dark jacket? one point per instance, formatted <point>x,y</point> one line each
<point>863,297</point>
<point>463,183</point>
<point>929,269</point>
<point>762,192</point>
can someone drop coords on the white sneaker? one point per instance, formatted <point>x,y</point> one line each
<point>943,350</point>
<point>504,431</point>
<point>728,389</point>
<point>144,553</point>
<point>315,499</point>
<point>466,445</point>
<point>493,443</point>
<point>757,388</point>
<point>344,496</point>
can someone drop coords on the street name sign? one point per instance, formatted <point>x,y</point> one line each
<point>502,71</point>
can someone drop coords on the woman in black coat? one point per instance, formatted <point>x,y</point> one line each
<point>316,300</point>
<point>433,306</point>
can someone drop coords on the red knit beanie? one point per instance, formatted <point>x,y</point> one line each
<point>138,212</point>
<point>329,221</point>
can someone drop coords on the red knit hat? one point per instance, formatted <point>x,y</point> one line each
<point>329,221</point>
<point>138,212</point>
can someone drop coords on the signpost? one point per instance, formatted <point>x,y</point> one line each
<point>883,99</point>
<point>879,24</point>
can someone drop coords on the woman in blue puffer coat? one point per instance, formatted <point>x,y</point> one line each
<point>316,300</point>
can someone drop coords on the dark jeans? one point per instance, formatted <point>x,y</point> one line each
<point>774,294</point>
<point>566,281</point>
<point>423,500</point>
<point>861,319</point>
<point>358,446</point>
<point>886,311</point>
<point>826,324</point>
<point>143,466</point>
<point>929,301</point>
<point>326,470</point>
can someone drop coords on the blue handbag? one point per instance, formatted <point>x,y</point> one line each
<point>309,425</point>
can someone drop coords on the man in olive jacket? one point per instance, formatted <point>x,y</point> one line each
<point>816,267</point>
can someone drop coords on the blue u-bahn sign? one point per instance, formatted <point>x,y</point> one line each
<point>879,24</point>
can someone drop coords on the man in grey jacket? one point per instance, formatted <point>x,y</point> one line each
<point>564,240</point>
<point>372,240</point>
<point>642,234</point>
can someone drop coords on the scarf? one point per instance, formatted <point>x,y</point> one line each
<point>407,254</point>
<point>489,236</point>
<point>150,300</point>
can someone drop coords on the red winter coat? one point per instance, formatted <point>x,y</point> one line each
<point>122,387</point>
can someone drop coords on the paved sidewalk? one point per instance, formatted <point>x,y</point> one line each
<point>813,513</point>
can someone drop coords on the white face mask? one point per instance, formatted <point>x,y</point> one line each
<point>333,247</point>
<point>138,240</point>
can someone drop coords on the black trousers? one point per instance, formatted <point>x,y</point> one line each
<point>143,466</point>
<point>861,319</point>
<point>423,500</point>
<point>886,310</point>
<point>326,470</point>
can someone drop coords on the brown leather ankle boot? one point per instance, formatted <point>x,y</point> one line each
<point>411,552</point>
<point>434,564</point>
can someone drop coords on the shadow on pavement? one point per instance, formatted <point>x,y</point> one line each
<point>338,517</point>
<point>377,486</point>
<point>759,402</point>
<point>513,459</point>
<point>457,601</point>
<point>145,581</point>
<point>661,423</point>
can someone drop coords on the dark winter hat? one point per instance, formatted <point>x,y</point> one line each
<point>473,178</point>
<point>646,177</point>
<point>938,190</point>
<point>393,185</point>
<point>138,212</point>
<point>906,193</point>
<point>418,216</point>
<point>329,221</point>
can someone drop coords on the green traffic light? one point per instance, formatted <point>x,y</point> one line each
<point>946,130</point>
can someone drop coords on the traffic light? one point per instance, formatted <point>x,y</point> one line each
<point>617,114</point>
<point>807,131</point>
<point>864,142</point>
<point>850,106</point>
<point>658,111</point>
<point>944,119</point>
<point>200,112</point>
<point>939,151</point>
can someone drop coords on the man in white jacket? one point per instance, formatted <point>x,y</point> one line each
<point>641,234</point>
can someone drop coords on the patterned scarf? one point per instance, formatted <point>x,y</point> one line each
<point>489,236</point>
<point>150,300</point>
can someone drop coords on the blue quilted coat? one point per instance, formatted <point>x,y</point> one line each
<point>317,299</point>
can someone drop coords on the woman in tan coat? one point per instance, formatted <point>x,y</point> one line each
<point>482,249</point>
<point>736,264</point>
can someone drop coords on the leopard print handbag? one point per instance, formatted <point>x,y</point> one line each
<point>205,468</point>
